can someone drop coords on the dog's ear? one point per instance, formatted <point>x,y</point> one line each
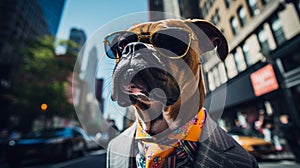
<point>213,33</point>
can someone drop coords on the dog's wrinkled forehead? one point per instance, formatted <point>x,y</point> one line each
<point>151,27</point>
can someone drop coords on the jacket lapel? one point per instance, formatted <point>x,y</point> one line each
<point>119,150</point>
<point>213,143</point>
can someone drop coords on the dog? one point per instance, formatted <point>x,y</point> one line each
<point>158,71</point>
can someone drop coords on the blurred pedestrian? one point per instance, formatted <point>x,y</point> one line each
<point>290,133</point>
<point>270,135</point>
<point>113,124</point>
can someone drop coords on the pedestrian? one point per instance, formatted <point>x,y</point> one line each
<point>270,135</point>
<point>290,133</point>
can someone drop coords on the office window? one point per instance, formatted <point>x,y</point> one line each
<point>218,15</point>
<point>253,7</point>
<point>245,49</point>
<point>230,66</point>
<point>207,6</point>
<point>277,31</point>
<point>263,40</point>
<point>240,61</point>
<point>234,25</point>
<point>214,20</point>
<point>265,1</point>
<point>242,16</point>
<point>227,3</point>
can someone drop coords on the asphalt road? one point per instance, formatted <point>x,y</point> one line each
<point>94,159</point>
<point>97,159</point>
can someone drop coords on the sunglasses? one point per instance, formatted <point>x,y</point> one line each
<point>172,42</point>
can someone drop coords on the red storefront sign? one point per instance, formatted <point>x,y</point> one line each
<point>264,80</point>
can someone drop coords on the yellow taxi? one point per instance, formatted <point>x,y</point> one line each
<point>255,145</point>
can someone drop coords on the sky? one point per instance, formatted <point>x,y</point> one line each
<point>89,15</point>
<point>92,17</point>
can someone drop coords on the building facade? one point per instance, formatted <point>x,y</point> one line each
<point>261,69</point>
<point>52,11</point>
<point>261,72</point>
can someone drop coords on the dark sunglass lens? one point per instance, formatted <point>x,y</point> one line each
<point>116,43</point>
<point>171,42</point>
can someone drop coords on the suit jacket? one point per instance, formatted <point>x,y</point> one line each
<point>216,150</point>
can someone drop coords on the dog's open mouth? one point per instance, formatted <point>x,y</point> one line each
<point>146,86</point>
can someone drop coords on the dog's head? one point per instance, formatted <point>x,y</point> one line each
<point>158,68</point>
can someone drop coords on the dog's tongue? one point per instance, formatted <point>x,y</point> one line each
<point>136,88</point>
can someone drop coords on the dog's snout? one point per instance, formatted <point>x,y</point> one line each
<point>133,47</point>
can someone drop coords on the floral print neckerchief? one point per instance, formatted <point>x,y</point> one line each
<point>154,155</point>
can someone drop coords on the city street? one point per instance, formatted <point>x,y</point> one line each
<point>94,159</point>
<point>97,159</point>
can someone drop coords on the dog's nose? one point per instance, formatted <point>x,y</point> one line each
<point>131,48</point>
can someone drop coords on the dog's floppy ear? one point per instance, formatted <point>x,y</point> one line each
<point>213,33</point>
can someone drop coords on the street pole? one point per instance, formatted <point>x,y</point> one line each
<point>44,107</point>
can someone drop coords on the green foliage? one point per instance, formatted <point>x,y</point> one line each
<point>43,79</point>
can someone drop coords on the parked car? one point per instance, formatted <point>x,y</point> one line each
<point>50,144</point>
<point>252,143</point>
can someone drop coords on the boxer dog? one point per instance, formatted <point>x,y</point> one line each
<point>158,71</point>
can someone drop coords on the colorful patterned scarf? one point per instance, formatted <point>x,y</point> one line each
<point>176,150</point>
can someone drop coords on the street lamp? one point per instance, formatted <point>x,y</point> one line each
<point>44,107</point>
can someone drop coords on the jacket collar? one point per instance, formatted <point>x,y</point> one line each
<point>212,138</point>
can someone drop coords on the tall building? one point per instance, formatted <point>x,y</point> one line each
<point>78,36</point>
<point>174,9</point>
<point>52,11</point>
<point>20,22</point>
<point>261,72</point>
<point>262,68</point>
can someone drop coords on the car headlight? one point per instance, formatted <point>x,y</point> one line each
<point>55,140</point>
<point>12,143</point>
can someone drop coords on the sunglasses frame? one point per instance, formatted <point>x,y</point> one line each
<point>140,36</point>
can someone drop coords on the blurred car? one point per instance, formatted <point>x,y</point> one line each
<point>252,143</point>
<point>91,143</point>
<point>50,144</point>
<point>102,139</point>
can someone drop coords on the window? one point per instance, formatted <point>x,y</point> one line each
<point>214,20</point>
<point>240,61</point>
<point>253,7</point>
<point>207,6</point>
<point>230,66</point>
<point>242,16</point>
<point>291,61</point>
<point>227,3</point>
<point>218,16</point>
<point>277,31</point>
<point>234,26</point>
<point>265,1</point>
<point>245,49</point>
<point>263,40</point>
<point>203,11</point>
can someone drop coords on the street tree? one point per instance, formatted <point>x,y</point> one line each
<point>42,78</point>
